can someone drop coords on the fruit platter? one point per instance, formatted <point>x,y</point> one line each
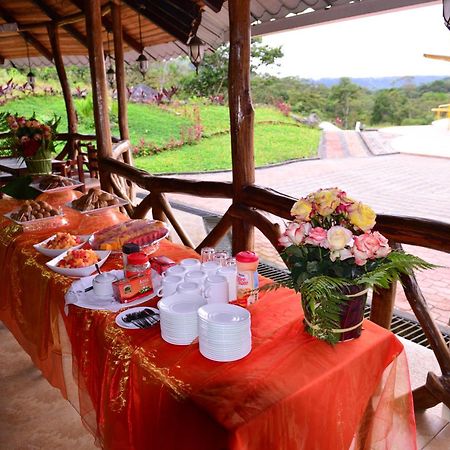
<point>55,183</point>
<point>78,263</point>
<point>96,200</point>
<point>143,232</point>
<point>59,243</point>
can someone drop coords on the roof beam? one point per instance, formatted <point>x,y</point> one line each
<point>335,13</point>
<point>8,17</point>
<point>180,18</point>
<point>52,14</point>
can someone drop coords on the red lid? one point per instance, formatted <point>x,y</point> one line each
<point>137,258</point>
<point>247,257</point>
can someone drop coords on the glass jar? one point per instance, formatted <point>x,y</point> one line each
<point>137,264</point>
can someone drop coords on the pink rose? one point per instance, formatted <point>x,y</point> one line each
<point>294,234</point>
<point>318,237</point>
<point>370,246</point>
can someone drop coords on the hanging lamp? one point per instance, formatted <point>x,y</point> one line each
<point>142,59</point>
<point>31,77</point>
<point>446,12</point>
<point>110,74</point>
<point>196,51</point>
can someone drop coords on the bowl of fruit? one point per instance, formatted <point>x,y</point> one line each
<point>78,263</point>
<point>59,243</point>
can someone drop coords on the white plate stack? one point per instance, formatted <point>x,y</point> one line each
<point>224,332</point>
<point>178,318</point>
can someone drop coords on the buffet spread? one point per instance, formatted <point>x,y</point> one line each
<point>180,355</point>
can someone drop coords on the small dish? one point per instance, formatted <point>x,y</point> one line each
<point>120,202</point>
<point>80,271</point>
<point>75,184</point>
<point>130,325</point>
<point>53,252</point>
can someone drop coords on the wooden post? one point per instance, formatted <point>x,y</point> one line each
<point>72,122</point>
<point>122,97</point>
<point>99,84</point>
<point>241,115</point>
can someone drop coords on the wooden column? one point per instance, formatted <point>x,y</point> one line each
<point>122,97</point>
<point>99,84</point>
<point>241,115</point>
<point>72,122</point>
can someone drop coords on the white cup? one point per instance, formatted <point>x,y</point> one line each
<point>169,285</point>
<point>103,284</point>
<point>210,267</point>
<point>190,264</point>
<point>175,270</point>
<point>189,288</point>
<point>196,276</point>
<point>216,289</point>
<point>230,273</point>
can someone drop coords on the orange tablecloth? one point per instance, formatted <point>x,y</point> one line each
<point>138,392</point>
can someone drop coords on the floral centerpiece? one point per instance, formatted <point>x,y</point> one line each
<point>334,257</point>
<point>32,141</point>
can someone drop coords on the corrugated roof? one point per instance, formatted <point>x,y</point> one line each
<point>268,16</point>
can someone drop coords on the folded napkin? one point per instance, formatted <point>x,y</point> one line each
<point>77,296</point>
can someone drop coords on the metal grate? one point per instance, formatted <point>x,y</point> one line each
<point>401,326</point>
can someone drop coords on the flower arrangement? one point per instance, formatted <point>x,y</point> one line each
<point>331,250</point>
<point>31,140</point>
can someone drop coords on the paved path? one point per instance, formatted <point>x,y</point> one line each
<point>399,184</point>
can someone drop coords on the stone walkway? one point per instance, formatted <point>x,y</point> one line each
<point>400,184</point>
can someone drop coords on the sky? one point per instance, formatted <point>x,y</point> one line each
<point>390,44</point>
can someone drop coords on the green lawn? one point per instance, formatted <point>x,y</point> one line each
<point>273,143</point>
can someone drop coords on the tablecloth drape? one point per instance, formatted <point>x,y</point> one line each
<point>138,392</point>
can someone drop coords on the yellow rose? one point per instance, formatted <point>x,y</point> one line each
<point>301,210</point>
<point>361,216</point>
<point>327,201</point>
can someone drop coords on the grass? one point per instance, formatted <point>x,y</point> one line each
<point>273,143</point>
<point>278,141</point>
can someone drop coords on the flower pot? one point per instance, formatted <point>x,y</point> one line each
<point>37,166</point>
<point>351,315</point>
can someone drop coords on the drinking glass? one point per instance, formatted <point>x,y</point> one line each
<point>207,254</point>
<point>221,258</point>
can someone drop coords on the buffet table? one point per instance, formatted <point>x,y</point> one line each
<point>135,391</point>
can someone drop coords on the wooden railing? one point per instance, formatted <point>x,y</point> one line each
<point>254,200</point>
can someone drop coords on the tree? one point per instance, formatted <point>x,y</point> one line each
<point>212,78</point>
<point>390,106</point>
<point>343,101</point>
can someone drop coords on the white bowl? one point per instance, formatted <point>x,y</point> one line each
<point>52,253</point>
<point>78,272</point>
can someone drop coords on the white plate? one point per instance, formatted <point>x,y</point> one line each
<point>96,211</point>
<point>181,304</point>
<point>28,223</point>
<point>79,272</point>
<point>223,314</point>
<point>129,325</point>
<point>52,253</point>
<point>226,358</point>
<point>177,341</point>
<point>76,184</point>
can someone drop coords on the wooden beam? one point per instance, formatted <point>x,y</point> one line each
<point>8,17</point>
<point>52,14</point>
<point>72,122</point>
<point>122,97</point>
<point>99,84</point>
<point>241,115</point>
<point>180,18</point>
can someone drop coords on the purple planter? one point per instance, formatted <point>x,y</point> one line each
<point>352,313</point>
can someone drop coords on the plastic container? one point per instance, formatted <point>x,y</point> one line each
<point>128,249</point>
<point>137,264</point>
<point>247,277</point>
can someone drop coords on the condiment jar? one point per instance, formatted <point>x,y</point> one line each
<point>247,277</point>
<point>137,264</point>
<point>103,284</point>
<point>128,249</point>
